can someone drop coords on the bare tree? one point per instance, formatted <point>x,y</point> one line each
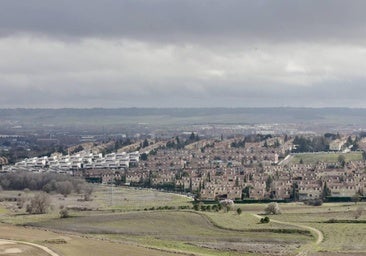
<point>64,187</point>
<point>273,208</point>
<point>87,190</point>
<point>39,204</point>
<point>227,204</point>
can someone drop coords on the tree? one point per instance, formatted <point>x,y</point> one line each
<point>356,198</point>
<point>192,137</point>
<point>245,193</point>
<point>64,187</point>
<point>326,191</point>
<point>342,160</point>
<point>143,157</point>
<point>277,143</point>
<point>77,149</point>
<point>269,183</point>
<point>237,182</point>
<point>294,193</point>
<point>145,143</point>
<point>227,204</point>
<point>273,208</point>
<point>86,190</point>
<point>39,204</point>
<point>363,155</point>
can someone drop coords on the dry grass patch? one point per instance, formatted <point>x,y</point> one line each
<point>74,245</point>
<point>176,229</point>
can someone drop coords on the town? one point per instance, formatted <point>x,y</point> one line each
<point>252,167</point>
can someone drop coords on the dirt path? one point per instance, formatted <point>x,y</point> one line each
<point>317,232</point>
<point>44,248</point>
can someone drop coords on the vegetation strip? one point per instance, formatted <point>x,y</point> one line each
<point>279,230</point>
<point>345,221</point>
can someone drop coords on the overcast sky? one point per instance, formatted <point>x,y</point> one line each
<point>182,53</point>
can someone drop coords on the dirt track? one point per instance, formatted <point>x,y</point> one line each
<point>44,248</point>
<point>319,234</point>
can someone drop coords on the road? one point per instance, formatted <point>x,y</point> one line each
<point>44,248</point>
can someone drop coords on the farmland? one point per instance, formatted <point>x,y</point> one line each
<point>327,157</point>
<point>149,222</point>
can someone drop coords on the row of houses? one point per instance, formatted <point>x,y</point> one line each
<point>220,170</point>
<point>80,160</point>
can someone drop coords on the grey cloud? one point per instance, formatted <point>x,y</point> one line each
<point>187,19</point>
<point>183,53</point>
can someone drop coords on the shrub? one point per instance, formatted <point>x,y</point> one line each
<point>314,202</point>
<point>238,211</point>
<point>273,208</point>
<point>196,207</point>
<point>357,214</point>
<point>20,202</point>
<point>265,220</point>
<point>64,213</point>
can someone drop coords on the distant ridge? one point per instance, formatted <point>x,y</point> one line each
<point>178,116</point>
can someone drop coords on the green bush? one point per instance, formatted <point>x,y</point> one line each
<point>265,220</point>
<point>238,211</point>
<point>196,207</point>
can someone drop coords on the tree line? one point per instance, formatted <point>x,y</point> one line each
<point>47,182</point>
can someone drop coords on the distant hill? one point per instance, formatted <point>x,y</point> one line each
<point>182,116</point>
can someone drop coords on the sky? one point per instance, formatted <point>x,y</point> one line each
<point>182,53</point>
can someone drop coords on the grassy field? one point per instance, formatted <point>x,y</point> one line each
<point>312,158</point>
<point>67,244</point>
<point>132,199</point>
<point>118,221</point>
<point>338,237</point>
<point>174,229</point>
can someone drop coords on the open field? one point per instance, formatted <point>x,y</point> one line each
<point>180,227</point>
<point>118,221</point>
<point>312,158</point>
<point>338,237</point>
<point>67,244</point>
<point>127,199</point>
<point>11,248</point>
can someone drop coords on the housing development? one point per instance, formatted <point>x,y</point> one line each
<point>238,168</point>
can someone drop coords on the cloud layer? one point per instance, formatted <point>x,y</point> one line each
<point>182,53</point>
